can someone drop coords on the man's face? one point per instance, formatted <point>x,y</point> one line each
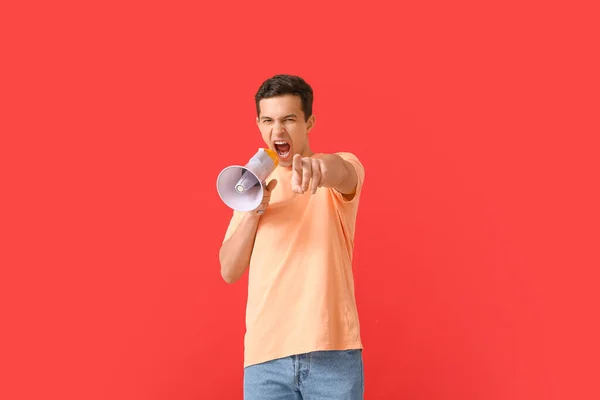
<point>283,128</point>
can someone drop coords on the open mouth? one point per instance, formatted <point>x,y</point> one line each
<point>282,148</point>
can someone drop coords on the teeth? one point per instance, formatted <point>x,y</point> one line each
<point>282,142</point>
<point>284,155</point>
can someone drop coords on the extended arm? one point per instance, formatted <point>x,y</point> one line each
<point>324,170</point>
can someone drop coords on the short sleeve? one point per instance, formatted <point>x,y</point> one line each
<point>360,172</point>
<point>235,221</point>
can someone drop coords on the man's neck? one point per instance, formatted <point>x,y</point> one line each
<point>307,152</point>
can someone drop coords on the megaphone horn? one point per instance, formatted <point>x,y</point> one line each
<point>242,188</point>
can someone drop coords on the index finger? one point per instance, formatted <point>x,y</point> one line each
<point>297,163</point>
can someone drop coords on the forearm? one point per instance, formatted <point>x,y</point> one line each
<point>339,174</point>
<point>236,252</point>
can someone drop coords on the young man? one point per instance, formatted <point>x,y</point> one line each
<point>303,336</point>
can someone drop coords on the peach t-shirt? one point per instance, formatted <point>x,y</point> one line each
<point>300,284</point>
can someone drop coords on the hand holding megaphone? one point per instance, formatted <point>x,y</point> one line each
<point>266,197</point>
<point>244,188</point>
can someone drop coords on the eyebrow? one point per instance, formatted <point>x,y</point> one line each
<point>287,116</point>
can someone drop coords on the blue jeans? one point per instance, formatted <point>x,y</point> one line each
<point>330,375</point>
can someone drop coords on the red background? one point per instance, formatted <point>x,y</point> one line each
<point>477,237</point>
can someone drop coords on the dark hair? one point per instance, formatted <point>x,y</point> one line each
<point>280,85</point>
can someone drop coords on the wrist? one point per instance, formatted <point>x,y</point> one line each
<point>253,215</point>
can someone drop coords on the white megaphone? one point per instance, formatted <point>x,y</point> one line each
<point>242,188</point>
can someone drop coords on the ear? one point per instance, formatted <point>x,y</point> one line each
<point>310,123</point>
<point>257,122</point>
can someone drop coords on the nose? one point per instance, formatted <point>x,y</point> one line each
<point>277,127</point>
